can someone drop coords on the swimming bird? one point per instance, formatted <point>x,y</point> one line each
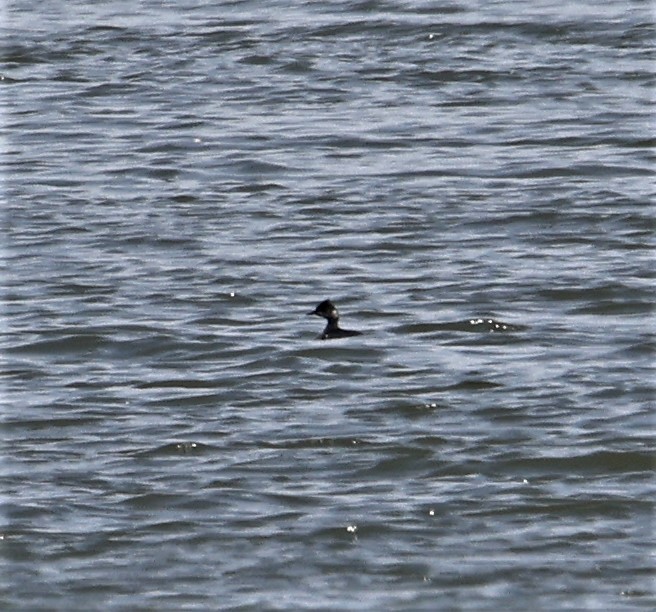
<point>328,311</point>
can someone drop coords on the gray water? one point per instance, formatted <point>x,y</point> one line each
<point>183,182</point>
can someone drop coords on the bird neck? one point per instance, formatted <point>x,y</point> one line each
<point>332,324</point>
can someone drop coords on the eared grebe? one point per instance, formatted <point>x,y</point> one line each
<point>328,311</point>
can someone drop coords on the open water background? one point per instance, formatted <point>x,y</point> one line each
<point>183,181</point>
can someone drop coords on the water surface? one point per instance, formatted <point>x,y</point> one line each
<point>183,182</point>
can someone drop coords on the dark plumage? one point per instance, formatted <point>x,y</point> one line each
<point>328,311</point>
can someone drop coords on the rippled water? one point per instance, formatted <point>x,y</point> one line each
<point>184,181</point>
